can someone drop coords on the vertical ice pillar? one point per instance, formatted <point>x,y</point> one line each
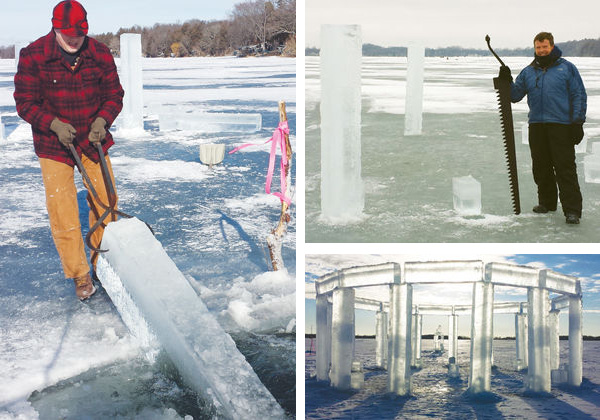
<point>342,192</point>
<point>342,338</point>
<point>400,339</point>
<point>453,337</point>
<point>553,336</point>
<point>419,330</point>
<point>539,375</point>
<point>413,113</point>
<point>323,312</point>
<point>381,339</point>
<point>131,80</point>
<point>521,339</point>
<point>416,330</point>
<point>575,341</point>
<point>480,375</point>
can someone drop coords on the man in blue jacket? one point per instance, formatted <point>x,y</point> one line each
<point>557,105</point>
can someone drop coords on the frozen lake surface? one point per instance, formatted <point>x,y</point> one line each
<point>60,358</point>
<point>408,180</point>
<point>436,396</point>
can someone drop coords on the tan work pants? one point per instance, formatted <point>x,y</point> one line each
<point>63,211</point>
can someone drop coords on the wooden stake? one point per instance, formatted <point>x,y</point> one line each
<point>275,238</point>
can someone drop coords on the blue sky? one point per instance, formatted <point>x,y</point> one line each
<point>24,21</point>
<point>584,266</point>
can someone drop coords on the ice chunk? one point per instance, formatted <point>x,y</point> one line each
<point>466,192</point>
<point>342,191</point>
<point>212,154</point>
<point>209,122</point>
<point>205,355</point>
<point>413,116</point>
<point>591,168</point>
<point>525,133</point>
<point>131,79</point>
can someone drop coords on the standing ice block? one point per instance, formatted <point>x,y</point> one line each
<point>466,193</point>
<point>205,355</point>
<point>131,80</point>
<point>342,192</point>
<point>525,133</point>
<point>591,168</point>
<point>413,114</point>
<point>342,338</point>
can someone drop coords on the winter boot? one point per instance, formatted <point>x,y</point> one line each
<point>84,288</point>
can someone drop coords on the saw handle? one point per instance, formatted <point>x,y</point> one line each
<point>487,39</point>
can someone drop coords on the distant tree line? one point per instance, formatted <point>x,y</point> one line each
<point>582,48</point>
<point>253,27</point>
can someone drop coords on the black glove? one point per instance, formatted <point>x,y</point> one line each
<point>65,131</point>
<point>98,130</point>
<point>504,73</point>
<point>577,132</point>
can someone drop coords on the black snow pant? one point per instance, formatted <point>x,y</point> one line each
<point>553,157</point>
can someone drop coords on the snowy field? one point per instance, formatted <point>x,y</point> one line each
<point>435,396</point>
<point>408,180</point>
<point>60,358</point>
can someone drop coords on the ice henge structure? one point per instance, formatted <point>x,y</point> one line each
<point>387,289</point>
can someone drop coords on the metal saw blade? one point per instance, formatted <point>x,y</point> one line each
<point>508,133</point>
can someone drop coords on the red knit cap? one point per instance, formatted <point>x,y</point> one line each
<point>71,18</point>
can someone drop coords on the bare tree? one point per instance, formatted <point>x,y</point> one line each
<point>255,19</point>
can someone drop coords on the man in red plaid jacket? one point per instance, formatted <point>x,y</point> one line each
<point>68,89</point>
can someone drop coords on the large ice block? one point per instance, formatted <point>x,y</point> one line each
<point>209,122</point>
<point>324,319</point>
<point>413,114</point>
<point>131,117</point>
<point>466,194</point>
<point>342,338</point>
<point>538,374</point>
<point>342,191</point>
<point>591,168</point>
<point>575,341</point>
<point>400,340</point>
<point>205,355</point>
<point>482,318</point>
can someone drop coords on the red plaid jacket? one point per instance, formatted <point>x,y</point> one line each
<point>46,87</point>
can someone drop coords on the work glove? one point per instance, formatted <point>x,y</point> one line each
<point>504,73</point>
<point>577,132</point>
<point>98,130</point>
<point>65,131</point>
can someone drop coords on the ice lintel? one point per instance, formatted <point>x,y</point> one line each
<point>561,283</point>
<point>443,272</point>
<point>512,275</point>
<point>328,282</point>
<point>559,303</point>
<point>371,275</point>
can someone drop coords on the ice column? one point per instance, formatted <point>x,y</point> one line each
<point>575,341</point>
<point>381,339</point>
<point>400,339</point>
<point>521,339</point>
<point>342,191</point>
<point>554,338</point>
<point>539,375</point>
<point>481,336</point>
<point>323,337</point>
<point>342,338</point>
<point>453,337</point>
<point>416,339</point>
<point>131,80</point>
<point>413,114</point>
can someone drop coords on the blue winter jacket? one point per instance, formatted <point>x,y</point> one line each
<point>555,94</point>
